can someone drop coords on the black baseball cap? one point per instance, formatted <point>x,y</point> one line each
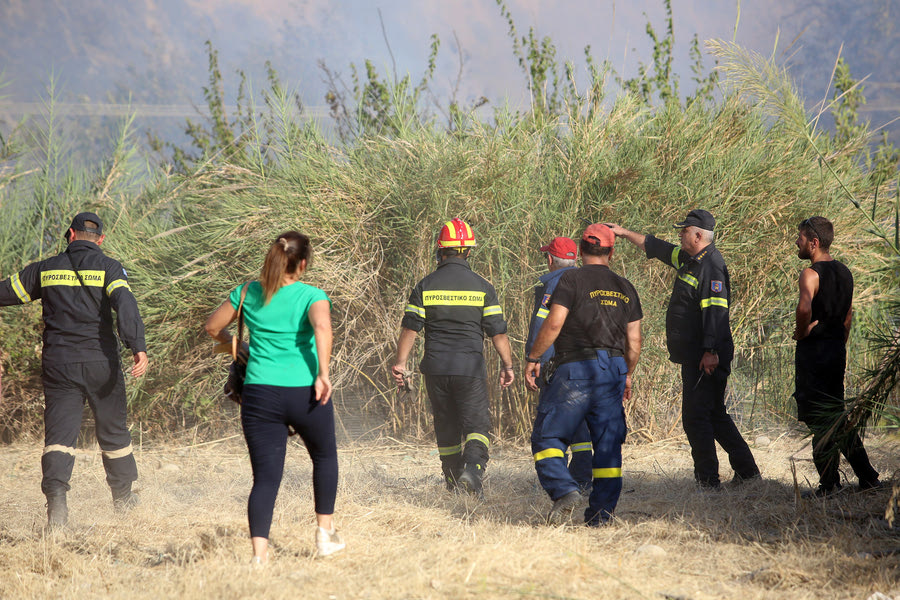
<point>698,218</point>
<point>79,224</point>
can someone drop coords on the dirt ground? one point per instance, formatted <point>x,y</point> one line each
<point>409,538</point>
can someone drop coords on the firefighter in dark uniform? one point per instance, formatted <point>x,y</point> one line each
<point>698,337</point>
<point>80,358</point>
<point>823,318</point>
<point>561,253</point>
<point>457,308</point>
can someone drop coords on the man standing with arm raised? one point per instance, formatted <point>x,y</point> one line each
<point>698,337</point>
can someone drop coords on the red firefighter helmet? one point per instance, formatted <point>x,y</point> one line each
<point>456,234</point>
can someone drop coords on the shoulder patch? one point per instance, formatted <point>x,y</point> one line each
<point>546,300</point>
<point>716,286</point>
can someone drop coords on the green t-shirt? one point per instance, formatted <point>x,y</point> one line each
<point>282,342</point>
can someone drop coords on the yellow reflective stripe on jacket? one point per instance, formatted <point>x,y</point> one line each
<point>689,279</point>
<point>478,438</point>
<point>675,261</point>
<point>492,310</point>
<point>452,298</point>
<point>116,285</point>
<point>714,301</point>
<point>68,277</point>
<point>449,450</point>
<point>542,313</point>
<point>19,289</point>
<point>416,310</point>
<point>581,447</point>
<point>549,453</point>
<point>608,473</point>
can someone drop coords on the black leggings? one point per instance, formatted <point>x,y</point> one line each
<point>266,412</point>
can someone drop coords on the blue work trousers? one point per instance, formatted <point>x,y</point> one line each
<point>584,391</point>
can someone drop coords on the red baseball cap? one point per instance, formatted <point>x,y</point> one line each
<point>599,235</point>
<point>561,247</point>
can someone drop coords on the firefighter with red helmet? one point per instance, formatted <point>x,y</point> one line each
<point>456,308</point>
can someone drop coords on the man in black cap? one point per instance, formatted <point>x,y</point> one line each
<point>698,337</point>
<point>80,358</point>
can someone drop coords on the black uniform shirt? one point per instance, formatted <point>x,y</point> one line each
<point>457,308</point>
<point>697,316</point>
<point>78,324</point>
<point>601,305</point>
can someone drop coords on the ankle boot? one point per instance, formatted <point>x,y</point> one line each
<point>57,511</point>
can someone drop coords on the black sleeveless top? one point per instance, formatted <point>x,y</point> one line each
<point>832,301</point>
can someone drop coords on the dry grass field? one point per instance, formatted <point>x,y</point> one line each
<point>408,538</point>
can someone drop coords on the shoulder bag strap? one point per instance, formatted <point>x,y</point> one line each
<point>237,339</point>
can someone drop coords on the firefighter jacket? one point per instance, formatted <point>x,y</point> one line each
<point>697,316</point>
<point>542,292</point>
<point>456,307</point>
<point>78,324</point>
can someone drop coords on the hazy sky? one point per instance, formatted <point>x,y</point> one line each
<point>154,48</point>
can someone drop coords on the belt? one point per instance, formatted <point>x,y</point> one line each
<point>584,354</point>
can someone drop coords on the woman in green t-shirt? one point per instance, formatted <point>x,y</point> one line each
<point>287,385</point>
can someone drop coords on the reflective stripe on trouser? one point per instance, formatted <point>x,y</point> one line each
<point>581,457</point>
<point>585,391</point>
<point>706,422</point>
<point>66,387</point>
<point>462,419</point>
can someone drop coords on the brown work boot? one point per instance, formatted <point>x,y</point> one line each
<point>57,511</point>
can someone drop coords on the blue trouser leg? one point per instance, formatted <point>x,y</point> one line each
<point>607,424</point>
<point>581,459</point>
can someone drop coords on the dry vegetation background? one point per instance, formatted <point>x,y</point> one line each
<point>409,538</point>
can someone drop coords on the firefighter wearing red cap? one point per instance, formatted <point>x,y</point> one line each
<point>594,324</point>
<point>456,308</point>
<point>78,290</point>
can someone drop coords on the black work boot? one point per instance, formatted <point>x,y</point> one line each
<point>124,499</point>
<point>57,511</point>
<point>470,480</point>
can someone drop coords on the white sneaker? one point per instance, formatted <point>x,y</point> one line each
<point>328,542</point>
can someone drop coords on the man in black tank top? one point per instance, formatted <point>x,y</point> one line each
<point>823,318</point>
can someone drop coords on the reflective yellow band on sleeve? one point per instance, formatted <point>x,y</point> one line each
<point>19,289</point>
<point>478,438</point>
<point>714,301</point>
<point>492,310</point>
<point>453,298</point>
<point>59,448</point>
<point>581,447</point>
<point>609,473</point>
<point>416,310</point>
<point>449,450</point>
<point>549,453</point>
<point>68,277</point>
<point>116,285</point>
<point>542,313</point>
<point>675,261</point>
<point>689,279</point>
<point>121,453</point>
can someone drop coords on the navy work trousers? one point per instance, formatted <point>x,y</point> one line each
<point>706,422</point>
<point>266,412</point>
<point>66,387</point>
<point>583,391</point>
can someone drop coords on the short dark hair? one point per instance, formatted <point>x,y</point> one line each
<point>819,228</point>
<point>450,252</point>
<point>588,249</point>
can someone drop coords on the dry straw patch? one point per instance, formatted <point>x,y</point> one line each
<point>408,538</point>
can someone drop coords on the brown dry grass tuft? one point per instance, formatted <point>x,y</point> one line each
<point>408,538</point>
